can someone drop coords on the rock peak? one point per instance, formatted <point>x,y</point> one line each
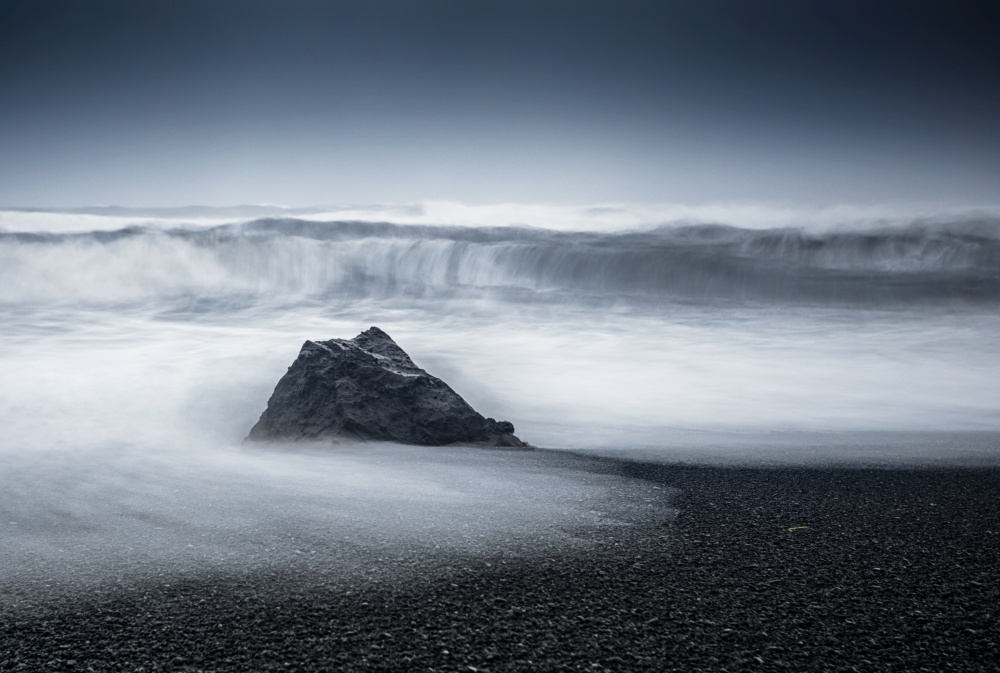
<point>368,389</point>
<point>376,342</point>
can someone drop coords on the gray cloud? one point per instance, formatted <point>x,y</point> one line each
<point>303,103</point>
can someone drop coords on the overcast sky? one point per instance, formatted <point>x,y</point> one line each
<point>306,103</point>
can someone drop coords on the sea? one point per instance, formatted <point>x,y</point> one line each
<point>138,346</point>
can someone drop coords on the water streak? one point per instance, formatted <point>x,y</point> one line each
<point>295,259</point>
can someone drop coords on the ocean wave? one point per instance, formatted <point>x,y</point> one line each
<point>289,258</point>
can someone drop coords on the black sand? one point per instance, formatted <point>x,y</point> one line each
<point>841,569</point>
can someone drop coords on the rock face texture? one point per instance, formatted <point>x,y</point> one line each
<point>368,389</point>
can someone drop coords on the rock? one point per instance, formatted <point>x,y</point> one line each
<point>368,389</point>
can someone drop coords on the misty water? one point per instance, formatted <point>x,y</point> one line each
<point>136,352</point>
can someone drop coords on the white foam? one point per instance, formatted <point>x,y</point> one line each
<point>614,216</point>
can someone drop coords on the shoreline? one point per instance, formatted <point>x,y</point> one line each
<point>763,568</point>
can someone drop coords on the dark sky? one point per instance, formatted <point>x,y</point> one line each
<point>305,103</point>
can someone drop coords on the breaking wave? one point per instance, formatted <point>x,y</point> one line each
<point>286,259</point>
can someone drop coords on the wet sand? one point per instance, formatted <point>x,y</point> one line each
<point>793,568</point>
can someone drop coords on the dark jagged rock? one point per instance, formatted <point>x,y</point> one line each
<point>368,389</point>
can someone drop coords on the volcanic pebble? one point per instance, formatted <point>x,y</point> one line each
<point>832,569</point>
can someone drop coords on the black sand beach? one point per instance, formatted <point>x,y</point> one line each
<point>827,568</point>
<point>290,291</point>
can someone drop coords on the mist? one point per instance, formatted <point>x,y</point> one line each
<point>113,517</point>
<point>138,348</point>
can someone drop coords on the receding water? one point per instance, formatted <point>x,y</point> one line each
<point>133,360</point>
